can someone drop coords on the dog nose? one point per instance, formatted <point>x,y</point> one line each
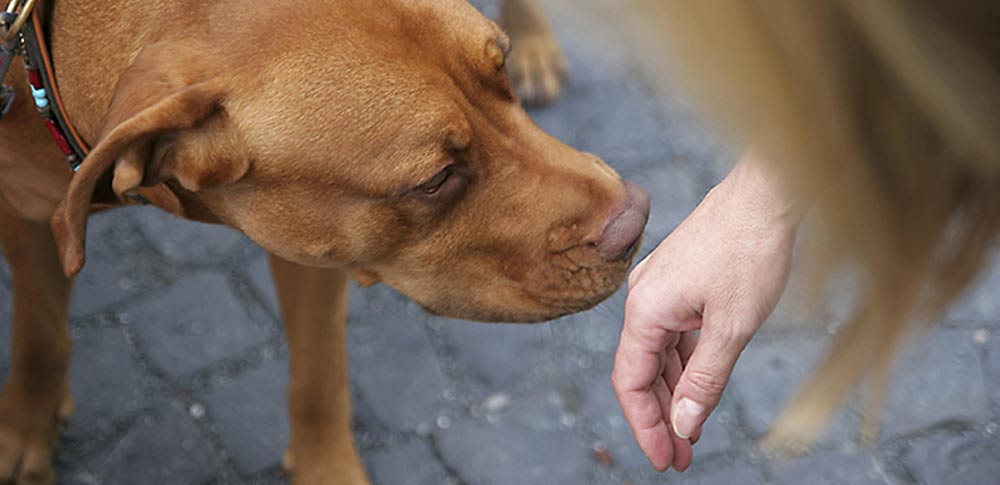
<point>623,231</point>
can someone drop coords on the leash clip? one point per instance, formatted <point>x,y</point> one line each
<point>15,16</point>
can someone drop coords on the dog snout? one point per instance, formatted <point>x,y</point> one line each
<point>623,232</point>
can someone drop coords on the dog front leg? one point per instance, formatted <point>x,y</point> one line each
<point>536,65</point>
<point>36,397</point>
<point>314,304</point>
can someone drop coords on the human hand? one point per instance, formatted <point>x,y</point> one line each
<point>722,272</point>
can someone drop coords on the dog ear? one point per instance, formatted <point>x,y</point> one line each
<point>165,91</point>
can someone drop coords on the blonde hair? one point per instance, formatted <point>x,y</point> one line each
<point>888,111</point>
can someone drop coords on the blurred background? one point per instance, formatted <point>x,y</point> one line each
<point>180,370</point>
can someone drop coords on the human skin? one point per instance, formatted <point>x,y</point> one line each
<point>721,272</point>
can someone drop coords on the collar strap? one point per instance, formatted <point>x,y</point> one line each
<point>45,91</point>
<point>24,34</point>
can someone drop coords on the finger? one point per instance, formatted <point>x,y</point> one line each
<point>683,454</point>
<point>696,437</point>
<point>644,413</point>
<point>636,379</point>
<point>672,370</point>
<point>705,377</point>
<point>686,346</point>
<point>671,375</point>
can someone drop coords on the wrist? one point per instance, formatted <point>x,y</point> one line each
<point>763,193</point>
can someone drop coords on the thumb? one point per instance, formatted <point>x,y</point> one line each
<point>705,377</point>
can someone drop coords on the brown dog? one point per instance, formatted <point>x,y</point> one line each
<point>379,138</point>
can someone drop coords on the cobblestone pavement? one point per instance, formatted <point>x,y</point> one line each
<point>180,370</point>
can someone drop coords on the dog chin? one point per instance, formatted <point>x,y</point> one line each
<point>535,309</point>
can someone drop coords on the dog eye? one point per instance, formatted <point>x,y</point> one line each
<point>434,185</point>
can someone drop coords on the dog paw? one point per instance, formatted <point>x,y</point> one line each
<point>536,65</point>
<point>341,469</point>
<point>28,431</point>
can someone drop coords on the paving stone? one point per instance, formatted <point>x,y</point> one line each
<point>719,474</point>
<point>674,192</point>
<point>938,378</point>
<point>393,364</point>
<point>990,339</point>
<point>508,453</point>
<point>119,264</point>
<point>502,355</point>
<point>259,272</point>
<point>186,241</point>
<point>411,463</point>
<point>383,307</point>
<point>624,125</point>
<point>105,381</point>
<point>969,458</point>
<point>196,322</point>
<point>163,447</point>
<point>596,330</point>
<point>250,414</point>
<point>4,270</point>
<point>981,302</point>
<point>770,372</point>
<point>851,466</point>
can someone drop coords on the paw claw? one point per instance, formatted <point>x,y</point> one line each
<point>287,462</point>
<point>65,411</point>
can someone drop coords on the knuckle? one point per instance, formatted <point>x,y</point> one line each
<point>706,384</point>
<point>734,334</point>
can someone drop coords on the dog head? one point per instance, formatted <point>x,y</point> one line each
<point>383,138</point>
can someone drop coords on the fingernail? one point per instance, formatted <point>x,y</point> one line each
<point>687,417</point>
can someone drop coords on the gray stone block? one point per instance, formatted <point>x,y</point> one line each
<point>509,453</point>
<point>411,464</point>
<point>164,447</point>
<point>768,375</point>
<point>624,125</point>
<point>4,270</point>
<point>850,466</point>
<point>393,364</point>
<point>119,265</point>
<point>938,378</point>
<point>724,473</point>
<point>990,341</point>
<point>250,414</point>
<point>674,192</point>
<point>104,379</point>
<point>186,241</point>
<point>597,330</point>
<point>501,355</point>
<point>259,272</point>
<point>196,322</point>
<point>971,458</point>
<point>981,301</point>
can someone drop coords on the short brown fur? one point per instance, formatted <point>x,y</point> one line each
<point>311,129</point>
